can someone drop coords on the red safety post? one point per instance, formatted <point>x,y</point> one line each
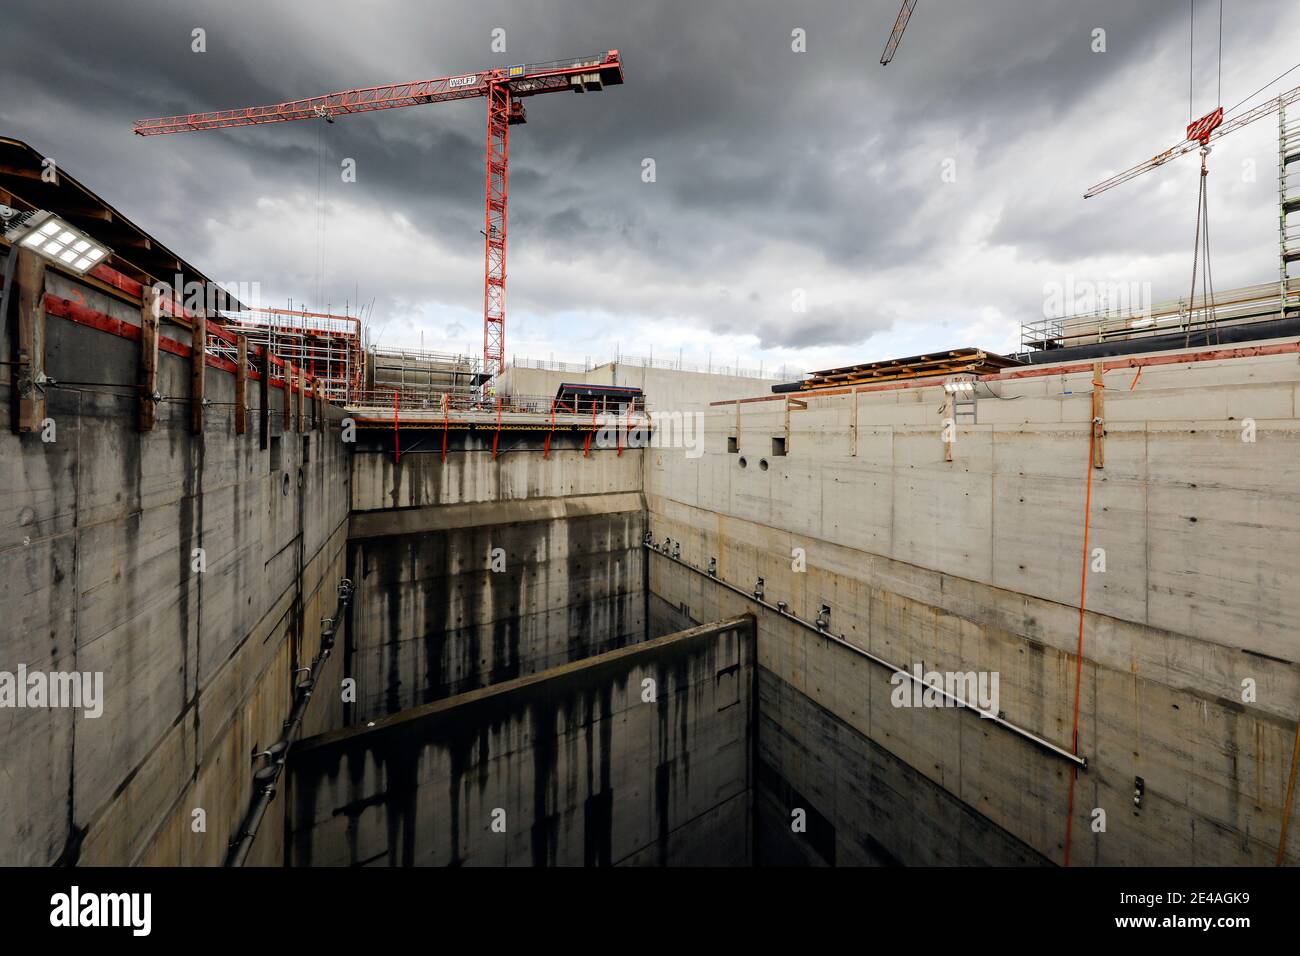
<point>546,448</point>
<point>586,446</point>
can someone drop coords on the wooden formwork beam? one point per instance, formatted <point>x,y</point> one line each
<point>198,364</point>
<point>29,343</point>
<point>287,424</point>
<point>1098,417</point>
<point>148,362</point>
<point>790,403</point>
<point>264,396</point>
<point>241,384</point>
<point>302,398</point>
<point>948,426</point>
<point>853,397</point>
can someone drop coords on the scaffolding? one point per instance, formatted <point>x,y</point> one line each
<point>328,347</point>
<point>1288,162</point>
<point>1255,303</point>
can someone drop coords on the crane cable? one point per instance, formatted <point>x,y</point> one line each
<point>1201,237</point>
<point>1201,242</point>
<point>319,264</point>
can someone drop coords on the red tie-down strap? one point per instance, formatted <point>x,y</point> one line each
<point>586,446</point>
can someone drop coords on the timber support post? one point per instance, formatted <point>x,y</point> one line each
<point>198,364</point>
<point>29,343</point>
<point>241,384</point>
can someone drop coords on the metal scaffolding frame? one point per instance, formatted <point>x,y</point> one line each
<point>328,347</point>
<point>1288,161</point>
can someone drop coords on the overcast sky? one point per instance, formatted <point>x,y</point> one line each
<point>776,170</point>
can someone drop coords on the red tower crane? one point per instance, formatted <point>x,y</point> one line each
<point>1212,126</point>
<point>503,88</point>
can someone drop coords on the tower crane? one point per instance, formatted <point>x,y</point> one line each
<point>900,24</point>
<point>1200,133</point>
<point>503,88</point>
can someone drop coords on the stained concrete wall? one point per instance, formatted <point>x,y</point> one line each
<point>478,569</point>
<point>97,531</point>
<point>455,597</point>
<point>975,564</point>
<point>577,764</point>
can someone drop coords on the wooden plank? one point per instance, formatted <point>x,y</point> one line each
<point>853,397</point>
<point>29,396</point>
<point>241,384</point>
<point>264,396</point>
<point>288,395</point>
<point>948,428</point>
<point>1098,418</point>
<point>302,398</point>
<point>148,363</point>
<point>198,364</point>
<point>316,410</point>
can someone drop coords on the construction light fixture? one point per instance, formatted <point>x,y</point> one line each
<point>56,239</point>
<point>960,386</point>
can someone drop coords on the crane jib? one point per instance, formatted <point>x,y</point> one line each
<point>524,79</point>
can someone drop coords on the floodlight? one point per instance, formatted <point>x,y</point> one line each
<point>52,237</point>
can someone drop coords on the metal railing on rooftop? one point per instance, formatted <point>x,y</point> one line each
<point>1231,307</point>
<point>435,400</point>
<point>781,373</point>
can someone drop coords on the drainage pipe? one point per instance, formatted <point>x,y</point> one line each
<point>1079,760</point>
<point>265,779</point>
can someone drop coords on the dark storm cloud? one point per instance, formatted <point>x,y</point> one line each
<point>775,170</point>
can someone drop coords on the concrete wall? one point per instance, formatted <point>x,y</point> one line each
<point>975,564</point>
<point>97,531</point>
<point>665,389</point>
<point>481,595</point>
<point>575,764</point>
<point>475,570</point>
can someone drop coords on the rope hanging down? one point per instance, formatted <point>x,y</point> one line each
<point>1201,258</point>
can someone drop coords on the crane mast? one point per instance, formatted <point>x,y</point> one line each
<point>503,88</point>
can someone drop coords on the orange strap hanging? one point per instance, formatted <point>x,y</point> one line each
<point>546,448</point>
<point>1078,654</point>
<point>586,446</point>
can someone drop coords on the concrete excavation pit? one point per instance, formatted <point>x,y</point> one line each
<point>356,640</point>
